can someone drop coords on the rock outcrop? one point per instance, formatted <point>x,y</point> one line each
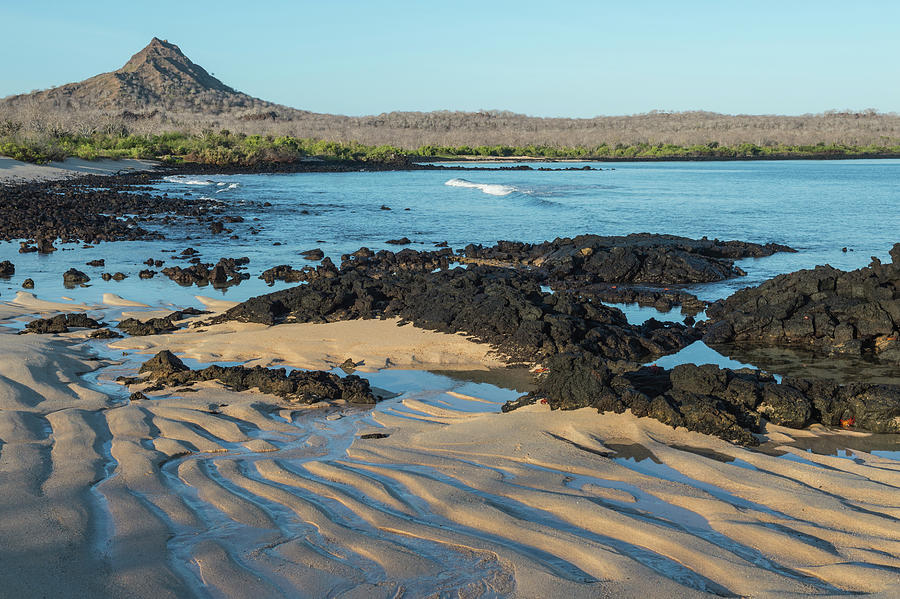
<point>298,386</point>
<point>61,323</point>
<point>731,404</point>
<point>638,259</point>
<point>825,309</point>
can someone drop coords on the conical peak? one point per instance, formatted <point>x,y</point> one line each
<point>157,48</point>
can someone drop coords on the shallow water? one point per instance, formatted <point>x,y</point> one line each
<point>818,207</point>
<point>799,362</point>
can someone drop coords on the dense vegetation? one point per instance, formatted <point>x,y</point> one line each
<point>237,149</point>
<point>223,148</point>
<point>664,151</point>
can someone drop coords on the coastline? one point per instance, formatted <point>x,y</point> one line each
<point>791,157</point>
<point>14,172</point>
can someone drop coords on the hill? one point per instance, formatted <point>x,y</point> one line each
<point>159,77</point>
<point>160,89</point>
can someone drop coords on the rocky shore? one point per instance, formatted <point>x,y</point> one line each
<point>824,309</point>
<point>591,356</point>
<point>299,386</point>
<point>532,302</point>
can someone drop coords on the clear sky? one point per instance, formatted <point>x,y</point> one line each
<point>546,58</point>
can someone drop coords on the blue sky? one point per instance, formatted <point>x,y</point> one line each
<point>577,59</point>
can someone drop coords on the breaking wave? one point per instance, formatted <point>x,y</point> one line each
<point>493,189</point>
<point>186,180</point>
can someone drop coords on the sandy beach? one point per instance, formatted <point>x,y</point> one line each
<point>224,494</point>
<point>14,171</point>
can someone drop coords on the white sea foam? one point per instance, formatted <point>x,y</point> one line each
<point>226,187</point>
<point>494,189</point>
<point>186,180</point>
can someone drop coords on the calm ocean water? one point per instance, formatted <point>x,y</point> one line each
<point>818,207</point>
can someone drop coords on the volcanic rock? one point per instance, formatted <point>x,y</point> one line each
<point>496,305</point>
<point>730,404</point>
<point>298,386</point>
<point>61,323</point>
<point>826,309</point>
<point>638,258</point>
<point>74,277</point>
<point>314,254</point>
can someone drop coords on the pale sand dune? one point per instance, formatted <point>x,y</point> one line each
<point>14,171</point>
<point>373,344</point>
<point>28,303</point>
<point>111,299</point>
<point>216,493</point>
<point>214,304</point>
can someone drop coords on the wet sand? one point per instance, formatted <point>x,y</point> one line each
<point>221,494</point>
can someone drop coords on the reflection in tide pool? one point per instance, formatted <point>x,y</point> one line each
<point>804,363</point>
<point>637,314</point>
<point>700,353</point>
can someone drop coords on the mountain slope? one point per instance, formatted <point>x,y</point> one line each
<point>158,77</point>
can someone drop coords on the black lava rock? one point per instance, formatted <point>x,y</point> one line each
<point>61,323</point>
<point>298,386</point>
<point>856,312</point>
<point>73,277</point>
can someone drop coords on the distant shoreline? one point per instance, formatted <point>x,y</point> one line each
<point>514,159</point>
<point>14,172</point>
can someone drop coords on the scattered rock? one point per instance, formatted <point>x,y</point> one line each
<point>314,254</point>
<point>401,241</point>
<point>104,334</point>
<point>298,386</point>
<point>162,364</point>
<point>226,272</point>
<point>500,306</point>
<point>61,323</point>
<point>152,326</point>
<point>73,277</point>
<point>7,269</point>
<point>28,284</point>
<point>90,209</point>
<point>284,272</point>
<point>638,258</point>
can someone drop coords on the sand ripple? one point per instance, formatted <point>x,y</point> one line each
<point>217,494</point>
